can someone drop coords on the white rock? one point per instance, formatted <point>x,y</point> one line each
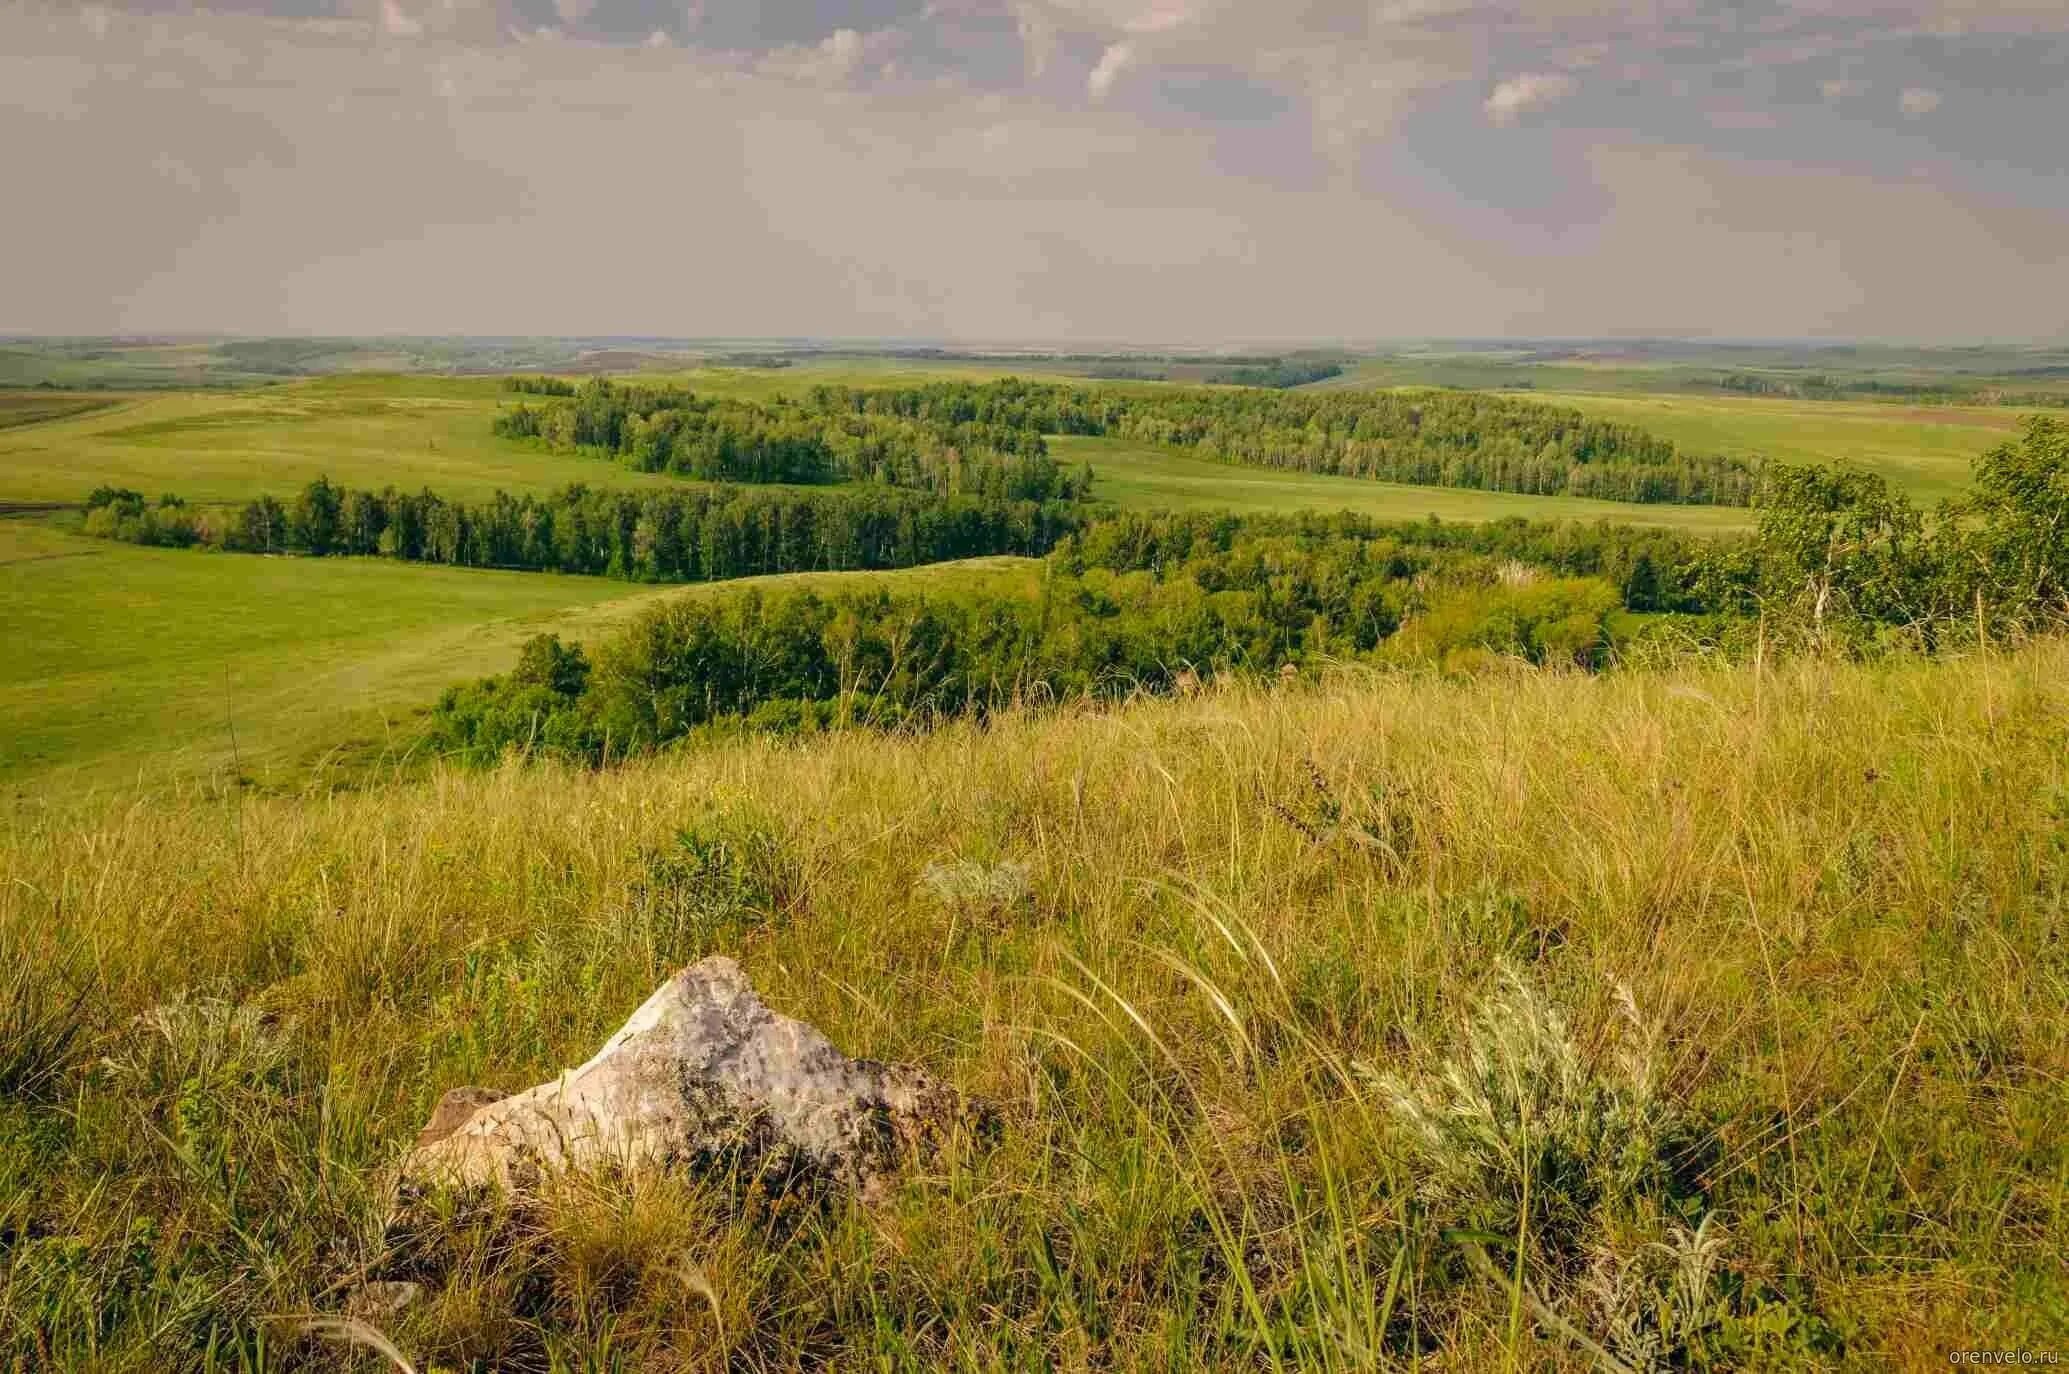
<point>704,1075</point>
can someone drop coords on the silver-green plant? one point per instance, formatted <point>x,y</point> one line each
<point>1520,1134</point>
<point>1652,1302</point>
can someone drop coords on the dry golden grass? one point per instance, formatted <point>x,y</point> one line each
<point>1248,924</point>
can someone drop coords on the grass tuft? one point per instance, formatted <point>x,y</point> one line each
<point>46,1006</point>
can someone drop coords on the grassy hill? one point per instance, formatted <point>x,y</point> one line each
<point>1925,450</point>
<point>141,663</point>
<point>231,446</point>
<point>412,431</point>
<point>1152,477</point>
<point>360,431</point>
<point>40,407</point>
<point>1762,964</point>
<point>1694,369</point>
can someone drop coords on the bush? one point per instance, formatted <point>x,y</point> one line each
<point>1555,622</point>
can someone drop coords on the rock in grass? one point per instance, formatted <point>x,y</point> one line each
<point>704,1076</point>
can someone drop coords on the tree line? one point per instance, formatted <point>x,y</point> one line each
<point>712,533</point>
<point>1652,569</point>
<point>987,438</point>
<point>1428,438</point>
<point>1156,602</point>
<point>1099,628</point>
<point>670,429</point>
<point>1279,374</point>
<point>685,535</point>
<point>1939,390</point>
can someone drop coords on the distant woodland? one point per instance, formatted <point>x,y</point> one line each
<point>1128,604</point>
<point>987,438</point>
<point>1150,603</point>
<point>696,534</point>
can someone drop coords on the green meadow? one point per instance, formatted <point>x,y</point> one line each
<point>360,431</point>
<point>231,446</point>
<point>134,664</point>
<point>40,407</point>
<point>411,431</point>
<point>1875,374</point>
<point>1925,450</point>
<point>1151,477</point>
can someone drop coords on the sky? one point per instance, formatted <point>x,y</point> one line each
<point>1165,172</point>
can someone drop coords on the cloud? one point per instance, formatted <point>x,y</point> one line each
<point>397,22</point>
<point>1116,59</point>
<point>1038,39</point>
<point>835,60</point>
<point>1530,91</point>
<point>1160,15</point>
<point>1146,169</point>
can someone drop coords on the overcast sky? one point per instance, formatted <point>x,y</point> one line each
<point>1157,171</point>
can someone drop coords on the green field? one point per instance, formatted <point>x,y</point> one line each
<point>103,364</point>
<point>1925,450</point>
<point>139,662</point>
<point>231,446</point>
<point>410,431</point>
<point>1876,374</point>
<point>1149,477</point>
<point>119,363</point>
<point>41,407</point>
<point>364,431</point>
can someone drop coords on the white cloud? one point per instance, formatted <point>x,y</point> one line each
<point>399,22</point>
<point>1129,16</point>
<point>1037,39</point>
<point>835,60</point>
<point>1531,90</point>
<point>841,52</point>
<point>1159,15</point>
<point>347,182</point>
<point>1115,60</point>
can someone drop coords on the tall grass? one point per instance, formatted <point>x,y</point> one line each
<point>1696,1018</point>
